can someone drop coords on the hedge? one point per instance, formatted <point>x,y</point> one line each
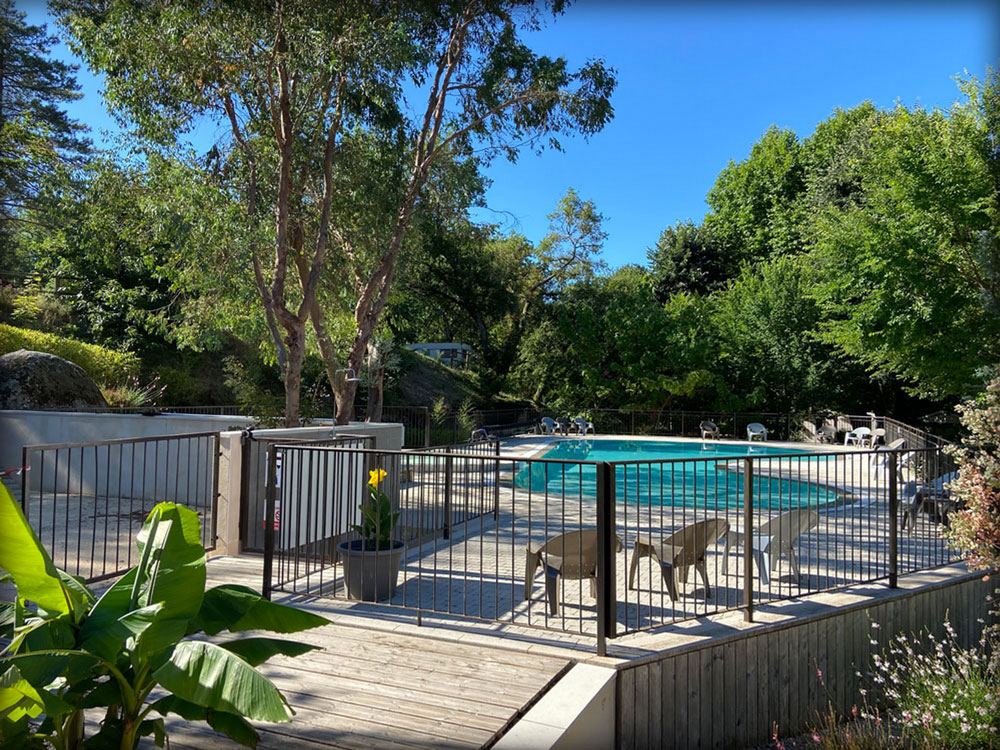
<point>105,366</point>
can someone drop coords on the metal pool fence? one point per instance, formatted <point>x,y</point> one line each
<point>87,501</point>
<point>604,549</point>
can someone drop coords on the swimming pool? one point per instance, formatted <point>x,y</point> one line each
<point>680,473</point>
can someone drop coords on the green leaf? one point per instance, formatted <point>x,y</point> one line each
<point>256,651</point>
<point>18,698</point>
<point>109,640</point>
<point>238,608</point>
<point>6,619</point>
<point>22,555</point>
<point>210,676</point>
<point>234,727</point>
<point>176,568</point>
<point>113,604</point>
<point>154,727</point>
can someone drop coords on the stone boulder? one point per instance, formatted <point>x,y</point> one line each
<point>35,380</point>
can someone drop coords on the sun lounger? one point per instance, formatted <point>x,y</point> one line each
<point>570,555</point>
<point>678,552</point>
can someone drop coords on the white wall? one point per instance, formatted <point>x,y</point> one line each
<point>158,471</point>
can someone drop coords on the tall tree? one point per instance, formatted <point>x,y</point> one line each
<point>909,267</point>
<point>313,97</point>
<point>36,135</point>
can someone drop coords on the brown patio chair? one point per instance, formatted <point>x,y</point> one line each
<point>572,555</point>
<point>709,430</point>
<point>679,551</point>
<point>774,538</point>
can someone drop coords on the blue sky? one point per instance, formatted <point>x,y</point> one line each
<point>698,84</point>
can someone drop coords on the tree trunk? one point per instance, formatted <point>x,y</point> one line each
<point>376,367</point>
<point>295,349</point>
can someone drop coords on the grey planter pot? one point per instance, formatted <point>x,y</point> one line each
<point>370,575</point>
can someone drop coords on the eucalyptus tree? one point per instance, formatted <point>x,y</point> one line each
<point>322,138</point>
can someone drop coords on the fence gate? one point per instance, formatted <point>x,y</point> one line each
<point>87,501</point>
<point>253,481</point>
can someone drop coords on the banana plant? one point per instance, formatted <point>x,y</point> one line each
<point>70,650</point>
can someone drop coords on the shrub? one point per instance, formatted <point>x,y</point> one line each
<point>976,529</point>
<point>105,366</point>
<point>134,394</point>
<point>35,308</point>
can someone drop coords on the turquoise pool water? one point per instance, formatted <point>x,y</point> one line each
<point>679,474</point>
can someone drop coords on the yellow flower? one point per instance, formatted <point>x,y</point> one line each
<point>375,476</point>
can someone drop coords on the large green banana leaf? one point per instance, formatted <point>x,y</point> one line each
<point>29,565</point>
<point>210,676</point>
<point>256,651</point>
<point>233,726</point>
<point>237,608</point>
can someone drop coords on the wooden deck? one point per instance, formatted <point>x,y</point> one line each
<point>379,683</point>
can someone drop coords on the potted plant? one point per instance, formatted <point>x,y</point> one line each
<point>371,563</point>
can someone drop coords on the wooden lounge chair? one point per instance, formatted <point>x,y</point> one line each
<point>572,555</point>
<point>583,426</point>
<point>679,551</point>
<point>774,538</point>
<point>709,430</point>
<point>756,430</point>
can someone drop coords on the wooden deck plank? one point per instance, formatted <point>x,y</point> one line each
<point>370,685</point>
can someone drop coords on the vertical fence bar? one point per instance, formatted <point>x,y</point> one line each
<point>748,539</point>
<point>213,489</point>
<point>893,521</point>
<point>446,534</point>
<point>272,475</point>
<point>427,427</point>
<point>25,485</point>
<point>606,604</point>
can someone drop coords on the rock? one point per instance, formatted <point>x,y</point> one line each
<point>35,380</point>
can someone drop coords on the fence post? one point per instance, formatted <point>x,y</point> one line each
<point>496,482</point>
<point>748,539</point>
<point>606,600</point>
<point>25,485</point>
<point>447,494</point>
<point>272,476</point>
<point>893,521</point>
<point>427,427</point>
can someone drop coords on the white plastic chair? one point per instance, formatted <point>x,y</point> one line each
<point>756,430</point>
<point>583,426</point>
<point>549,426</point>
<point>858,436</point>
<point>881,455</point>
<point>774,538</point>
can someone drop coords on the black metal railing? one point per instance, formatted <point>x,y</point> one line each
<point>88,500</point>
<point>609,548</point>
<point>254,469</point>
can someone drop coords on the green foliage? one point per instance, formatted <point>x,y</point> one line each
<point>134,394</point>
<point>74,651</point>
<point>907,265</point>
<point>608,343</point>
<point>377,517</point>
<point>755,204</point>
<point>976,528</point>
<point>105,366</point>
<point>687,258</point>
<point>35,308</point>
<point>37,139</point>
<point>765,322</point>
